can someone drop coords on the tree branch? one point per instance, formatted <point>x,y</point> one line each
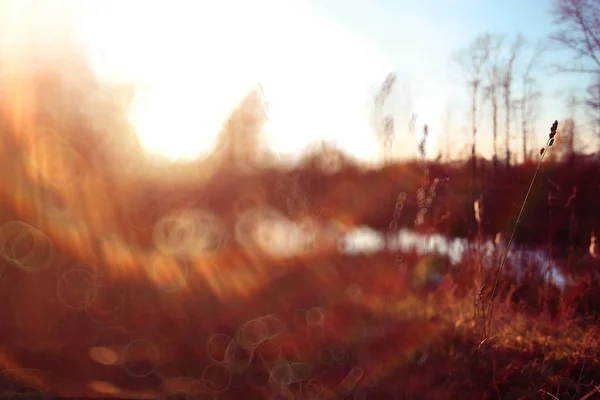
<point>560,68</point>
<point>580,31</point>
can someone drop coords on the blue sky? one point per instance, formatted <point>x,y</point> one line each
<point>418,37</point>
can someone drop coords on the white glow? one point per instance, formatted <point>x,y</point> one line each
<point>196,60</point>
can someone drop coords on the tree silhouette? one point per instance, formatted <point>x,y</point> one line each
<point>491,90</point>
<point>507,86</point>
<point>529,96</point>
<point>592,105</point>
<point>579,22</point>
<point>472,60</point>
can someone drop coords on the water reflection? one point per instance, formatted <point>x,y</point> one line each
<point>364,240</point>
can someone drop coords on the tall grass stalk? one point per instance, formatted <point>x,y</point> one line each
<point>543,151</point>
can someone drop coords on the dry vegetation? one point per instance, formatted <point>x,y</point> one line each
<point>375,326</point>
<point>368,326</point>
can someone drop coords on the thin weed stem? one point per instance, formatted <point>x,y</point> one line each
<point>549,394</point>
<point>488,315</point>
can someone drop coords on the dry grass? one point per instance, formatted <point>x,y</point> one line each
<point>410,337</point>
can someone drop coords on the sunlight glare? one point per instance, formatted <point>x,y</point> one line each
<point>196,60</point>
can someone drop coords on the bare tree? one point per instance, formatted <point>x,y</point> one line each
<point>447,128</point>
<point>579,22</point>
<point>507,85</point>
<point>472,60</point>
<point>242,135</point>
<point>566,139</point>
<point>572,103</point>
<point>592,105</point>
<point>564,145</point>
<point>529,95</point>
<point>491,90</point>
<point>579,31</point>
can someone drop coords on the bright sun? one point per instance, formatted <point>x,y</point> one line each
<point>196,60</point>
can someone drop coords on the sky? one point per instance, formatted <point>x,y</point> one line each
<point>320,64</point>
<point>419,38</point>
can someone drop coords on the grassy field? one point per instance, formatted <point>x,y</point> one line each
<point>366,326</point>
